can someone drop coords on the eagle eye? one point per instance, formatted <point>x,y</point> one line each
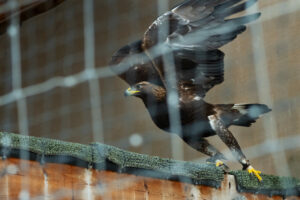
<point>138,87</point>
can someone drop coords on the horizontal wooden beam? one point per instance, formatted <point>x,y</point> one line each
<point>62,181</point>
<point>25,11</point>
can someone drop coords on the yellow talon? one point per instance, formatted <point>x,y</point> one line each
<point>219,163</point>
<point>256,173</point>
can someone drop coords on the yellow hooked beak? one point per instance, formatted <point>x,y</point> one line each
<point>130,92</point>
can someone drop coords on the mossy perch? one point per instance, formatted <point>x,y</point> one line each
<point>104,157</point>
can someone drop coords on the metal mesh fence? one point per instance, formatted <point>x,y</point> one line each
<point>55,82</point>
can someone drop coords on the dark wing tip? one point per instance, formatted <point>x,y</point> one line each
<point>245,19</point>
<point>232,7</point>
<point>183,4</point>
<point>256,15</point>
<point>253,17</point>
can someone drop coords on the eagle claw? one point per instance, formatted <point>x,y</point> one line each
<point>219,163</point>
<point>256,173</point>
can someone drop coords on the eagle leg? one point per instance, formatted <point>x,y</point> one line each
<point>202,145</point>
<point>227,137</point>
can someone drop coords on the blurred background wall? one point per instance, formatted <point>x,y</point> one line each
<point>262,65</point>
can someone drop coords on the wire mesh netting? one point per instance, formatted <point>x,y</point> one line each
<point>55,81</point>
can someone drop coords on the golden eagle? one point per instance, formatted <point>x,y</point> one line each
<point>190,34</point>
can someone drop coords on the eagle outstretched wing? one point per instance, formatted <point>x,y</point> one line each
<point>195,30</point>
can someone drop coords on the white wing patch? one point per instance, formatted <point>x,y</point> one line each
<point>197,98</point>
<point>213,122</point>
<point>240,108</point>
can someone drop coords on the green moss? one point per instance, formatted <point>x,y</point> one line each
<point>164,168</point>
<point>56,147</point>
<point>270,185</point>
<point>15,141</point>
<point>44,146</point>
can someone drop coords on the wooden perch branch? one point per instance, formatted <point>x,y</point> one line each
<point>58,170</point>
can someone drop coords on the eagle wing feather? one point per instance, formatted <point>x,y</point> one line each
<point>196,29</point>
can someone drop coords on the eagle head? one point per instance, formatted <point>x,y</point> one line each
<point>146,90</point>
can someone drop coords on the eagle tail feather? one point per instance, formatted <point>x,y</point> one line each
<point>249,113</point>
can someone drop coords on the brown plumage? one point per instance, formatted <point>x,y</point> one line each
<point>191,34</point>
